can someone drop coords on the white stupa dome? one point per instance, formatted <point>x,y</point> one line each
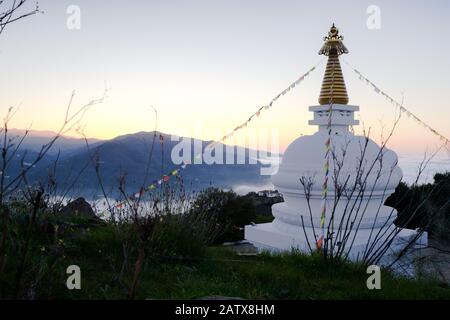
<point>305,157</point>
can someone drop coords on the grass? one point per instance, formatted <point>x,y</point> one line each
<point>223,273</point>
<point>215,271</point>
<point>263,219</point>
<point>274,277</point>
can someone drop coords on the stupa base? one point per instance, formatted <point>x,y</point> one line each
<point>266,237</point>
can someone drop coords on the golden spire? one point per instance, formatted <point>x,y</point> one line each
<point>333,86</point>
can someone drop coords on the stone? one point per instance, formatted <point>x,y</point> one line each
<point>79,208</point>
<point>242,248</point>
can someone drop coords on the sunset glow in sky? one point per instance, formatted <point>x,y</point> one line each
<point>211,64</point>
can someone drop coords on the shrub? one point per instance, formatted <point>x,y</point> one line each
<point>424,206</point>
<point>230,211</point>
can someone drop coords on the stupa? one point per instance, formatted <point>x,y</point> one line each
<point>334,182</point>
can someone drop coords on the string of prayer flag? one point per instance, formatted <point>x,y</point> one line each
<point>257,114</point>
<point>402,109</point>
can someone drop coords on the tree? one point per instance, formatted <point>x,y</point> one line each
<point>433,201</point>
<point>14,10</point>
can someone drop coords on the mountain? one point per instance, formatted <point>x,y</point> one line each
<point>35,139</point>
<point>126,158</point>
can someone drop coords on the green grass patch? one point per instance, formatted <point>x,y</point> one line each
<point>210,271</point>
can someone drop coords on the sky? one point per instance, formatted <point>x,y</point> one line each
<point>207,65</point>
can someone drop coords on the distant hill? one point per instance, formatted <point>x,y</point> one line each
<point>126,156</point>
<point>35,139</point>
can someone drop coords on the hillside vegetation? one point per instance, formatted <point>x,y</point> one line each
<point>171,256</point>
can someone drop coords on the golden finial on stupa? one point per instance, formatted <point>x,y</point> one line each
<point>333,85</point>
